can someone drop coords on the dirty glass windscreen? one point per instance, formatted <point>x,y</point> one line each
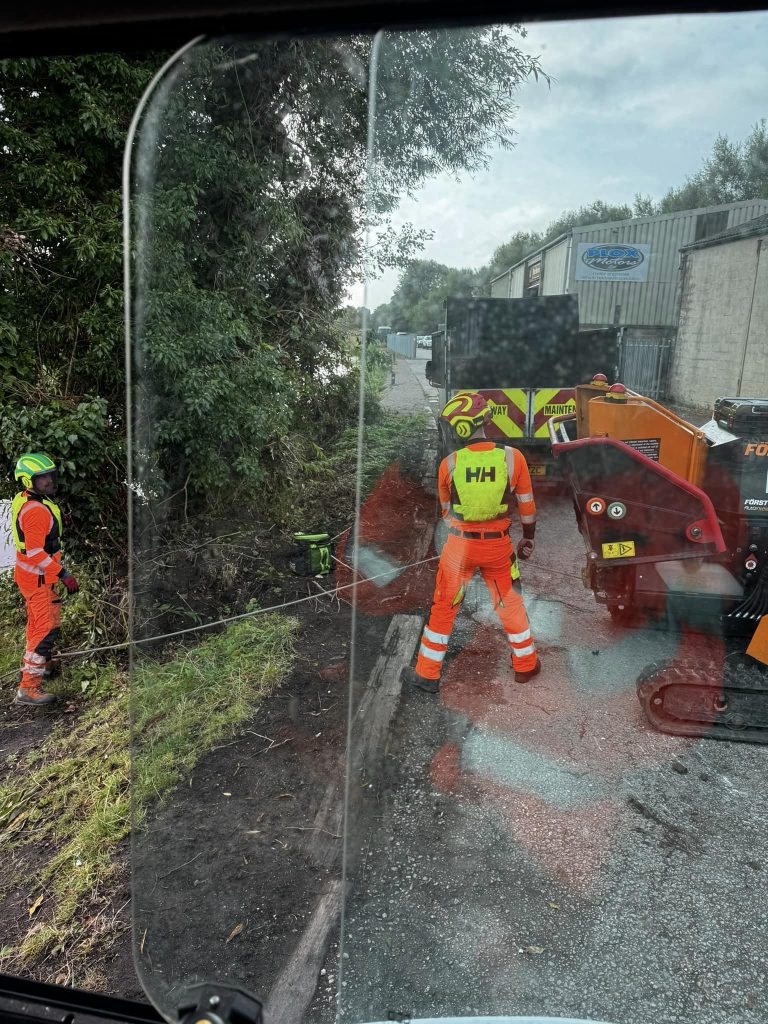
<point>540,820</point>
<point>247,179</point>
<point>450,523</point>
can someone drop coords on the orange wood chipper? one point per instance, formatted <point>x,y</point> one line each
<point>675,522</point>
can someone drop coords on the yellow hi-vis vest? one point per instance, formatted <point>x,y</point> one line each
<point>480,482</point>
<point>17,504</point>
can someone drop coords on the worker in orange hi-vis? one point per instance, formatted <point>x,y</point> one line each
<point>476,487</point>
<point>36,525</point>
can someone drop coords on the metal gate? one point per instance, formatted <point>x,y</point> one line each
<point>644,363</point>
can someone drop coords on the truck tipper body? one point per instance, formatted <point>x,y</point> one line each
<point>524,356</point>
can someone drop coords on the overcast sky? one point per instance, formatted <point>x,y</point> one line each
<point>636,105</point>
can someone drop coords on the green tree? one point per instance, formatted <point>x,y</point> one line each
<point>418,303</point>
<point>62,135</point>
<point>732,172</point>
<point>520,245</point>
<point>596,212</point>
<point>251,226</point>
<point>252,229</point>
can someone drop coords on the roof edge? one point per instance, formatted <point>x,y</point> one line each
<point>633,220</point>
<point>749,229</point>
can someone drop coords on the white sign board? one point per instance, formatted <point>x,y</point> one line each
<point>7,549</point>
<point>612,261</point>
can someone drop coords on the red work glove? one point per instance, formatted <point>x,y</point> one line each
<point>525,549</point>
<point>69,581</point>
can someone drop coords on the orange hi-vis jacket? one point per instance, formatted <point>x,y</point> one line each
<point>518,484</point>
<point>39,531</point>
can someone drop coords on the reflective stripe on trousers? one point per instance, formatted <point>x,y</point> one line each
<point>460,559</point>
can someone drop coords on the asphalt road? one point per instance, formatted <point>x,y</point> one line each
<point>541,850</point>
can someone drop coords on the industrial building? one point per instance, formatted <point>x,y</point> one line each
<point>722,338</point>
<point>626,275</point>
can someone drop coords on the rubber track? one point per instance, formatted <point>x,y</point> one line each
<point>728,701</point>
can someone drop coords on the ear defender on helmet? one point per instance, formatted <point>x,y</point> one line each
<point>462,427</point>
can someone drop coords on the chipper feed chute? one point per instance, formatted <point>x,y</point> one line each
<point>675,540</point>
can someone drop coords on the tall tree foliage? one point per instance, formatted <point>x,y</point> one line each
<point>252,227</point>
<point>62,133</point>
<point>251,222</point>
<point>733,171</point>
<point>418,302</point>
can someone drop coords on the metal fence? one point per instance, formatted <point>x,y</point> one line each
<point>644,364</point>
<point>403,344</point>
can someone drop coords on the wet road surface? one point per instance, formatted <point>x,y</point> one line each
<point>540,849</point>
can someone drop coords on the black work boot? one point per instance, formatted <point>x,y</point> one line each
<point>524,677</point>
<point>411,676</point>
<point>34,698</point>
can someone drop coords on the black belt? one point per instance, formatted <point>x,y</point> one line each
<point>487,535</point>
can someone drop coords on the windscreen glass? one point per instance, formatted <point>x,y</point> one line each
<point>247,217</point>
<point>450,522</point>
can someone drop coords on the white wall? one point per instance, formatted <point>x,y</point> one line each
<point>517,285</point>
<point>719,283</point>
<point>555,262</point>
<point>7,550</point>
<point>500,287</point>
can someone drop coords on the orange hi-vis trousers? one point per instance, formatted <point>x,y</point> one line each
<point>460,559</point>
<point>43,622</point>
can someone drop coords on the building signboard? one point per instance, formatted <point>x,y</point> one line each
<point>534,274</point>
<point>612,261</point>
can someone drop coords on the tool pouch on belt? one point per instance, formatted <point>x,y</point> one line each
<point>313,554</point>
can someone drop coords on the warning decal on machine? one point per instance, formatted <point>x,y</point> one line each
<point>549,402</point>
<point>509,409</point>
<point>619,549</point>
<point>648,446</point>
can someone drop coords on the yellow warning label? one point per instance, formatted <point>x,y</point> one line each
<point>619,549</point>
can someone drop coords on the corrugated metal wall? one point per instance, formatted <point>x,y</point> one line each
<point>555,261</point>
<point>500,287</point>
<point>510,285</point>
<point>403,344</point>
<point>643,304</point>
<point>653,302</point>
<point>518,282</point>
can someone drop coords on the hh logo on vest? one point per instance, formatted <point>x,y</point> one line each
<point>481,474</point>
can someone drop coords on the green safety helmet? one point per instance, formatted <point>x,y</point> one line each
<point>30,465</point>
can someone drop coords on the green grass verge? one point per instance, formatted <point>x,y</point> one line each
<point>70,797</point>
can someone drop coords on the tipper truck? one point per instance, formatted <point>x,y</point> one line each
<point>523,356</point>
